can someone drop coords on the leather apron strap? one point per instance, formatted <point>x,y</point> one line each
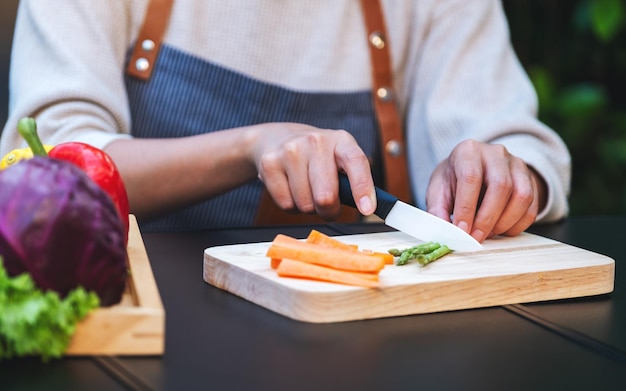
<point>387,113</point>
<point>149,40</point>
<point>143,61</point>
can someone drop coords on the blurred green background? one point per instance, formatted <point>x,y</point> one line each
<point>575,54</point>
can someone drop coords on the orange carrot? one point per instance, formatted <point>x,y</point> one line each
<point>325,240</point>
<point>286,247</point>
<point>280,239</point>
<point>275,262</point>
<point>293,268</point>
<point>388,258</point>
<point>318,237</point>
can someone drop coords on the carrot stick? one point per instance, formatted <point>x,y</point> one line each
<point>281,239</point>
<point>325,240</point>
<point>318,237</point>
<point>388,258</point>
<point>293,268</point>
<point>275,262</point>
<point>286,247</point>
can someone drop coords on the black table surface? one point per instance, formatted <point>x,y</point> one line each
<point>215,340</point>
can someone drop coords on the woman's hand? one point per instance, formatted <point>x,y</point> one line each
<point>299,166</point>
<point>487,190</point>
<point>298,163</point>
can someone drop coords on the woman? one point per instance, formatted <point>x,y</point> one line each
<point>276,94</point>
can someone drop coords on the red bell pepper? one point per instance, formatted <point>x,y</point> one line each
<point>100,168</point>
<point>95,162</point>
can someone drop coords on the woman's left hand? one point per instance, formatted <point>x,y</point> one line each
<point>486,190</point>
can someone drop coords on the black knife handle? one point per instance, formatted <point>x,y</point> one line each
<point>384,200</point>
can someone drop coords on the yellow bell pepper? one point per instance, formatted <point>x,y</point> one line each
<point>19,154</point>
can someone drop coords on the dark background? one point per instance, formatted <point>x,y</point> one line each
<point>574,52</point>
<point>8,9</point>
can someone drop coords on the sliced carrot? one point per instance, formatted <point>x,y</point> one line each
<point>281,238</point>
<point>286,247</point>
<point>388,258</point>
<point>293,268</point>
<point>318,237</point>
<point>325,240</point>
<point>275,262</point>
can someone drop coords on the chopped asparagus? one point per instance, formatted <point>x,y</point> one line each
<point>425,259</point>
<point>422,253</point>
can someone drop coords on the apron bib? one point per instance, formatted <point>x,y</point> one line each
<point>183,95</point>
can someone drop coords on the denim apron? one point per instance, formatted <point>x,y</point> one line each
<point>187,96</point>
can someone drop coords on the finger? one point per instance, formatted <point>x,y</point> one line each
<point>352,160</point>
<point>440,192</point>
<point>498,189</point>
<point>276,184</point>
<point>523,207</point>
<point>296,155</point>
<point>281,172</point>
<point>467,164</point>
<point>523,223</point>
<point>324,180</point>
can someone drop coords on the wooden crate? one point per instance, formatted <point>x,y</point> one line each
<point>135,326</point>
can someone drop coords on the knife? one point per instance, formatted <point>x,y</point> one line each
<point>413,221</point>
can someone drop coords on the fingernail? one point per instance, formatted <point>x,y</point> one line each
<point>463,225</point>
<point>365,203</point>
<point>478,235</point>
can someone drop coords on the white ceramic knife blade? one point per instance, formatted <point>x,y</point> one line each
<point>413,221</point>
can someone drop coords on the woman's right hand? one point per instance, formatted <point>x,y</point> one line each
<point>299,166</point>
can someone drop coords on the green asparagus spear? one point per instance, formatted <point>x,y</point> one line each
<point>423,253</point>
<point>425,259</point>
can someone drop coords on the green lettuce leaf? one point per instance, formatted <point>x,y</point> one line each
<point>38,323</point>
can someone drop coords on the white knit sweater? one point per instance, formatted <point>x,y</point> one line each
<point>456,74</point>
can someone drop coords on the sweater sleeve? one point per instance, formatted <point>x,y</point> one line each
<point>469,84</point>
<point>67,71</point>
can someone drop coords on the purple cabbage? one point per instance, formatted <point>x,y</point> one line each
<point>60,227</point>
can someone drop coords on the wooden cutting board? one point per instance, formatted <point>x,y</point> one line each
<point>521,269</point>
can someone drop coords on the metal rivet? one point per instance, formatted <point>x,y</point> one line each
<point>377,40</point>
<point>393,147</point>
<point>383,93</point>
<point>142,64</point>
<point>148,45</point>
